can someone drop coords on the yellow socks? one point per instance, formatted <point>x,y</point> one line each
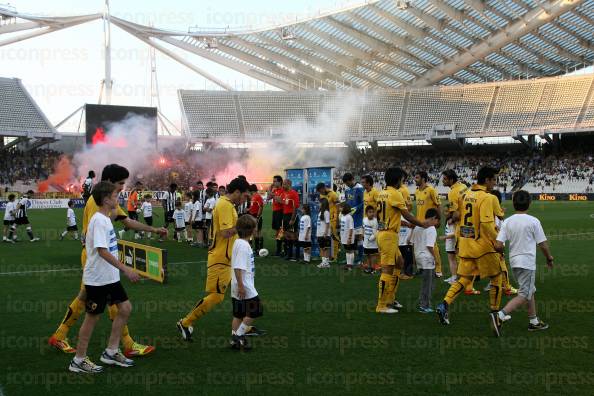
<point>202,307</point>
<point>456,288</point>
<point>75,308</point>
<point>495,292</point>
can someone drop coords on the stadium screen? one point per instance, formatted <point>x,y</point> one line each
<point>103,120</point>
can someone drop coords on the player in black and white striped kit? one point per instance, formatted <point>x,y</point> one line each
<point>169,204</point>
<point>21,215</point>
<point>88,186</point>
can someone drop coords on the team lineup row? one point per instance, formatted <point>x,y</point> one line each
<point>471,211</point>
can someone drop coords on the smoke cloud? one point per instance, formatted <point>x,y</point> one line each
<point>338,116</point>
<point>127,143</point>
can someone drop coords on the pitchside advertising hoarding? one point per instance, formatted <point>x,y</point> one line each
<point>150,262</point>
<point>62,203</point>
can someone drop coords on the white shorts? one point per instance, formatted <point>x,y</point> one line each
<point>425,262</point>
<point>450,245</point>
<point>526,282</point>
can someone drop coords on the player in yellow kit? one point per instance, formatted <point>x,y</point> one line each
<point>117,175</point>
<point>391,206</point>
<point>332,198</point>
<point>476,248</point>
<point>222,236</point>
<point>426,197</point>
<point>457,190</point>
<point>370,193</point>
<point>407,262</point>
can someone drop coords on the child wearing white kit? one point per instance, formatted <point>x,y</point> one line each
<point>244,296</point>
<point>347,235</point>
<point>323,233</point>
<point>305,233</point>
<point>524,233</point>
<point>423,240</point>
<point>370,248</point>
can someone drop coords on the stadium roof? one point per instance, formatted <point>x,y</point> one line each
<point>388,43</point>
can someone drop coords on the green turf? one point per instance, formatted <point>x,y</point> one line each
<point>324,337</point>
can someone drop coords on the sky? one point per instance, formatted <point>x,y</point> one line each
<point>63,70</point>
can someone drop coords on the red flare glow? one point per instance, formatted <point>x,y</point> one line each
<point>99,137</point>
<point>62,176</point>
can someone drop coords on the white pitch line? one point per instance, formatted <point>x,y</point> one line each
<point>79,269</point>
<point>575,234</point>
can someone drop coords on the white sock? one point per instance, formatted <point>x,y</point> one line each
<point>3,238</point>
<point>306,256</point>
<point>148,235</point>
<point>534,320</point>
<point>76,235</point>
<point>501,314</point>
<point>111,352</point>
<point>64,234</point>
<point>350,258</point>
<point>242,329</point>
<point>78,360</point>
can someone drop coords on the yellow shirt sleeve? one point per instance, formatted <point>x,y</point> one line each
<point>397,200</point>
<point>434,196</point>
<point>452,202</point>
<point>120,214</point>
<point>487,209</point>
<point>225,217</point>
<point>497,209</point>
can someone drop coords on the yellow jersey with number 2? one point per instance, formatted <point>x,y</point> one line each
<point>477,207</point>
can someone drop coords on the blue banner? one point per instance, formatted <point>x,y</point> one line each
<point>297,179</point>
<point>315,176</point>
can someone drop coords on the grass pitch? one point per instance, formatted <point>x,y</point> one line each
<point>323,335</point>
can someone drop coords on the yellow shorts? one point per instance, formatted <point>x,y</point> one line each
<point>387,243</point>
<point>218,278</point>
<point>486,266</point>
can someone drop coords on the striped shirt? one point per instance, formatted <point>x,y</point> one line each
<point>22,208</point>
<point>170,198</point>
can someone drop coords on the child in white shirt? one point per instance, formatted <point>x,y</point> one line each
<point>179,218</point>
<point>370,248</point>
<point>305,233</point>
<point>9,218</point>
<point>197,219</point>
<point>244,296</point>
<point>188,209</point>
<point>323,232</point>
<point>347,235</point>
<point>450,247</point>
<point>209,205</point>
<point>101,279</point>
<point>423,240</point>
<point>147,211</point>
<point>525,233</point>
<point>70,222</point>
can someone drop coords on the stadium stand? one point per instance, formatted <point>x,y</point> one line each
<point>19,170</point>
<point>19,114</point>
<point>557,104</point>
